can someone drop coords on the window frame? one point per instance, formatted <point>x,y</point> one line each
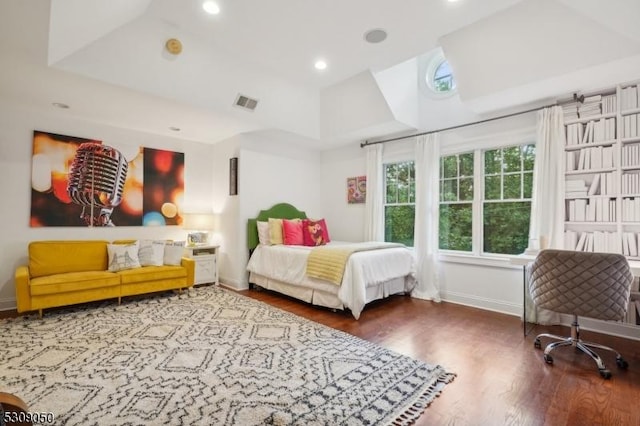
<point>502,174</point>
<point>427,65</point>
<point>412,184</point>
<point>523,136</point>
<point>457,178</point>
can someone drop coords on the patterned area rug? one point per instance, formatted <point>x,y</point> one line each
<point>209,356</point>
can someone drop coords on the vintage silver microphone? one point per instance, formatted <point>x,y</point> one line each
<point>96,179</point>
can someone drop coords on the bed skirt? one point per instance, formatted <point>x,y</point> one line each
<point>324,294</point>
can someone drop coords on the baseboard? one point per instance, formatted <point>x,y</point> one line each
<point>7,304</point>
<point>493,305</point>
<point>233,284</point>
<point>618,329</point>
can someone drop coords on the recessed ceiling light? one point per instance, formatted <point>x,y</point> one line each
<point>377,35</point>
<point>60,105</point>
<point>211,7</point>
<point>320,65</point>
<point>175,129</point>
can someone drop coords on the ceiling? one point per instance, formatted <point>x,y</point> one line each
<point>107,60</point>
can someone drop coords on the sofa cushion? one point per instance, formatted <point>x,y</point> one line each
<point>151,273</point>
<point>55,257</point>
<point>73,281</point>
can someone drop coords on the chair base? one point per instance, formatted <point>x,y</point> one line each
<point>575,341</point>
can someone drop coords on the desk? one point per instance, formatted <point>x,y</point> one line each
<point>525,259</point>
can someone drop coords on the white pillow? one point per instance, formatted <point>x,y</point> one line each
<point>263,233</point>
<point>173,253</point>
<point>151,253</point>
<point>123,256</point>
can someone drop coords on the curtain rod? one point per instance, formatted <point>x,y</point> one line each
<point>367,143</point>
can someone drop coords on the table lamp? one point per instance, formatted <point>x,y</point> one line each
<point>201,224</point>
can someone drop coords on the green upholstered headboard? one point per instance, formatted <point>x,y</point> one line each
<point>278,211</point>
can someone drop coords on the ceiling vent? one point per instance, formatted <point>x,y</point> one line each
<point>246,102</point>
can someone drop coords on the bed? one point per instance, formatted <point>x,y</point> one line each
<point>368,275</point>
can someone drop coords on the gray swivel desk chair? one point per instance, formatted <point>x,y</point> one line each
<point>593,285</point>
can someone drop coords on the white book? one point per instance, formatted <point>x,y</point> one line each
<point>581,159</point>
<point>581,208</point>
<point>612,211</point>
<point>599,210</point>
<point>631,101</point>
<point>570,240</point>
<point>591,212</point>
<point>625,244</point>
<point>627,126</point>
<point>583,240</point>
<point>572,211</point>
<point>589,244</point>
<point>598,241</point>
<point>584,137</point>
<point>597,158</point>
<point>633,248</point>
<point>595,185</point>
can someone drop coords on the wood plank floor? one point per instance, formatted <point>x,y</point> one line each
<point>501,378</point>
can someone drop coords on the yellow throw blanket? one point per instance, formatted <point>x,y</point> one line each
<point>328,262</point>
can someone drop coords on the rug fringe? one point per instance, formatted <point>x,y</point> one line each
<point>411,413</point>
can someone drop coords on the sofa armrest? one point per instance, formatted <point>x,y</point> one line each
<point>23,291</point>
<point>190,266</point>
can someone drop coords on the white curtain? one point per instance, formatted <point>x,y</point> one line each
<point>547,203</point>
<point>426,220</point>
<point>374,207</point>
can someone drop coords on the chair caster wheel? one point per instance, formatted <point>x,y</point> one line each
<point>548,359</point>
<point>622,363</point>
<point>537,344</point>
<point>606,374</point>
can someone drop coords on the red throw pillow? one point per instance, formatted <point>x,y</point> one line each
<point>314,232</point>
<point>292,232</point>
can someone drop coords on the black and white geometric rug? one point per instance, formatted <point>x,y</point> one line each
<point>210,357</point>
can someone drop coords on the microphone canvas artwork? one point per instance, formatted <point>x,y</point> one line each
<point>85,182</point>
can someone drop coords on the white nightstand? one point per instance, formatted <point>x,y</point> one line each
<point>206,258</point>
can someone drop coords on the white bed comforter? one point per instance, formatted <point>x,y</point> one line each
<point>364,269</point>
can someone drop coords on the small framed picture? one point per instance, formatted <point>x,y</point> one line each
<point>356,189</point>
<point>197,238</point>
<point>233,176</point>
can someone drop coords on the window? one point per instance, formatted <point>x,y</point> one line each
<point>399,202</point>
<point>506,207</point>
<point>439,76</point>
<point>442,80</point>
<point>456,202</point>
<point>485,200</point>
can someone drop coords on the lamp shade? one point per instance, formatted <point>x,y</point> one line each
<point>199,221</point>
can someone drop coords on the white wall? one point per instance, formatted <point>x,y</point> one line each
<point>16,136</point>
<point>272,168</point>
<point>345,221</point>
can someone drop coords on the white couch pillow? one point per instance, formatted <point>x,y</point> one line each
<point>151,253</point>
<point>123,256</point>
<point>264,237</point>
<point>173,253</point>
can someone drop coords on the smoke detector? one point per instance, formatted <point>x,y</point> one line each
<point>245,102</point>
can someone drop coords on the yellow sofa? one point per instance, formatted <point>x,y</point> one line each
<point>62,273</point>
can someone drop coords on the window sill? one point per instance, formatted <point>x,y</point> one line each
<point>470,259</point>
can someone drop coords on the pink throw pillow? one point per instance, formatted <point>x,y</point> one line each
<point>292,232</point>
<point>314,232</point>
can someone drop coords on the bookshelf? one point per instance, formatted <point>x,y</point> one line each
<point>602,175</point>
